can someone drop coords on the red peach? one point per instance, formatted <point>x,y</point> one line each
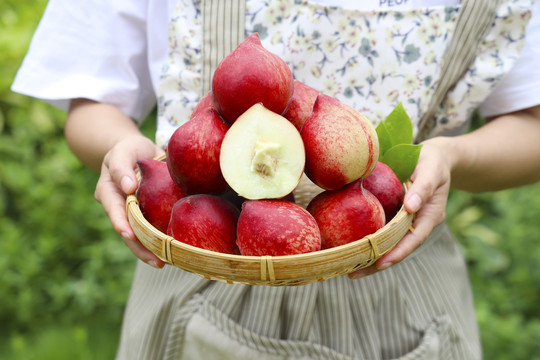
<point>346,215</point>
<point>249,75</point>
<point>341,144</point>
<point>301,105</point>
<point>205,221</point>
<point>276,227</point>
<point>204,102</point>
<point>193,153</point>
<point>157,193</point>
<point>385,185</point>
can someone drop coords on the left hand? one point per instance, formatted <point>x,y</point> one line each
<point>427,197</point>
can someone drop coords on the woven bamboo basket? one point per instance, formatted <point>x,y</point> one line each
<point>286,270</point>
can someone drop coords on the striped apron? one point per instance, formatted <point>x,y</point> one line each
<point>421,308</point>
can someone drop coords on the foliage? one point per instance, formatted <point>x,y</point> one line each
<point>62,264</point>
<point>63,342</point>
<point>499,235</point>
<point>61,261</point>
<point>396,148</point>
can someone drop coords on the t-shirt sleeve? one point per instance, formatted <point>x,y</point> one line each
<point>520,88</point>
<point>90,49</point>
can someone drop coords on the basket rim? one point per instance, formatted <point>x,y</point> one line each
<point>132,199</point>
<point>168,248</point>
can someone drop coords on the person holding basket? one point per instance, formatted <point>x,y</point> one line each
<point>108,64</point>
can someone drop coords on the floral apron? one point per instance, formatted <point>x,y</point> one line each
<point>421,308</point>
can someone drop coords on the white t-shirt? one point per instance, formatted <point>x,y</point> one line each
<point>113,51</point>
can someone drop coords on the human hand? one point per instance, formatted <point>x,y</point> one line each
<point>427,197</point>
<point>117,179</point>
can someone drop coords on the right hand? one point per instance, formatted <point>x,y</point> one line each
<point>117,180</point>
<point>426,197</point>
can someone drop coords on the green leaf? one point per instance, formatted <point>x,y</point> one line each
<point>399,126</point>
<point>402,158</point>
<point>385,141</point>
<point>396,150</point>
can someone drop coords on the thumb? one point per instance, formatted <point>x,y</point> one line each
<point>128,183</point>
<point>412,201</point>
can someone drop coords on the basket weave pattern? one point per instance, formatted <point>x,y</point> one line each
<point>285,270</point>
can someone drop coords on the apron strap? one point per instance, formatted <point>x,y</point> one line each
<point>223,24</point>
<point>475,18</point>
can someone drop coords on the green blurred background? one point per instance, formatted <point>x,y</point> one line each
<point>65,274</point>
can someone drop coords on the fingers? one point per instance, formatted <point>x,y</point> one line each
<point>117,179</point>
<point>426,220</point>
<point>113,200</point>
<point>410,242</point>
<point>430,174</point>
<point>427,198</point>
<point>121,161</point>
<point>143,253</point>
<point>363,272</point>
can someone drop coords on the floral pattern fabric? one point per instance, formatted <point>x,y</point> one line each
<point>370,60</point>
